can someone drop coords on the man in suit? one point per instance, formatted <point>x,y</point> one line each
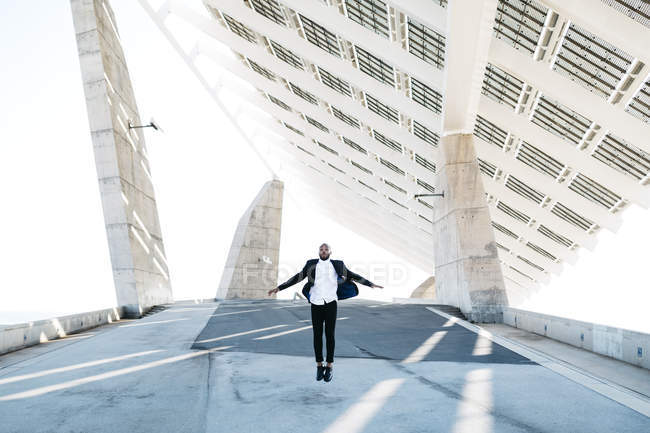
<point>327,281</point>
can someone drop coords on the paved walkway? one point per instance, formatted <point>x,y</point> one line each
<point>248,367</point>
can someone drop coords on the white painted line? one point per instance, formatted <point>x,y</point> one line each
<point>291,331</point>
<point>74,367</point>
<point>235,312</point>
<point>69,384</point>
<point>598,384</point>
<point>223,337</point>
<point>152,323</point>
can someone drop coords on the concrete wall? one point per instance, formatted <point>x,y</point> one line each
<point>15,337</point>
<point>246,274</point>
<point>467,268</point>
<point>621,344</point>
<point>135,240</point>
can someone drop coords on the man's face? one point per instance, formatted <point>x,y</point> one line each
<point>324,252</point>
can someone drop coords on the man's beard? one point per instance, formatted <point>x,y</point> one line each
<point>324,258</point>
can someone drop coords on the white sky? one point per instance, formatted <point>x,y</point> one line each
<point>53,250</point>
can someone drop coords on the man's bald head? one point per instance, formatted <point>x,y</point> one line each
<point>324,251</point>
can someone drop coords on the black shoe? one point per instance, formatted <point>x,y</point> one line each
<point>328,374</point>
<point>319,372</point>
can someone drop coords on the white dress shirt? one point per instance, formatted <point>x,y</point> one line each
<point>325,284</point>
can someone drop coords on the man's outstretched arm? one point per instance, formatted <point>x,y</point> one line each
<point>291,281</point>
<point>358,278</point>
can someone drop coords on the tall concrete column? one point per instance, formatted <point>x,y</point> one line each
<point>252,265</point>
<point>134,237</point>
<point>467,268</point>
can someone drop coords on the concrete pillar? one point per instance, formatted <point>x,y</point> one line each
<point>426,290</point>
<point>252,265</point>
<point>134,237</point>
<point>467,268</point>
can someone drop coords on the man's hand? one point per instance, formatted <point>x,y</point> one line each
<point>272,291</point>
<point>375,285</point>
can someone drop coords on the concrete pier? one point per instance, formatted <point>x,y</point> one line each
<point>134,236</point>
<point>467,268</point>
<point>252,264</point>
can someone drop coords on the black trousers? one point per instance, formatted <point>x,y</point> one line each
<point>324,313</point>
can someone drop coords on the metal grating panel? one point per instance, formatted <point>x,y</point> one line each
<point>240,29</point>
<point>261,70</point>
<point>297,131</point>
<point>622,156</point>
<point>426,44</point>
<point>306,151</point>
<point>513,212</point>
<point>317,124</point>
<point>426,96</point>
<point>425,163</point>
<point>335,82</point>
<point>397,203</point>
<point>560,120</point>
<point>352,121</point>
<point>541,251</point>
<point>521,273</point>
<point>520,23</point>
<point>391,144</point>
<point>367,186</point>
<point>425,134</point>
<point>572,217</point>
<point>329,149</point>
<point>287,56</point>
<point>336,168</point>
<point>279,103</point>
<point>529,263</point>
<point>554,236</point>
<point>424,203</point>
<point>354,145</point>
<point>320,36</point>
<point>371,14</point>
<point>392,166</point>
<point>524,190</point>
<point>489,132</point>
<point>593,191</point>
<point>383,110</point>
<point>638,10</point>
<point>540,161</point>
<point>425,185</point>
<point>486,167</point>
<point>639,106</point>
<point>392,185</point>
<point>312,99</point>
<point>361,167</point>
<point>501,87</point>
<point>590,61</point>
<point>270,9</point>
<point>504,230</point>
<point>375,67</point>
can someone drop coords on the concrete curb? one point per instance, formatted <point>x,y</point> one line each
<point>19,336</point>
<point>624,396</point>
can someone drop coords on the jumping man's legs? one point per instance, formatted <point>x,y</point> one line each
<point>317,318</point>
<point>330,324</point>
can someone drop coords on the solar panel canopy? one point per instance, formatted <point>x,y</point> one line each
<point>357,96</point>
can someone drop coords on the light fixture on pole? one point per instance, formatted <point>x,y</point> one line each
<point>152,124</point>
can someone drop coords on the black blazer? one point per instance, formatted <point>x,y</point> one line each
<point>346,287</point>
